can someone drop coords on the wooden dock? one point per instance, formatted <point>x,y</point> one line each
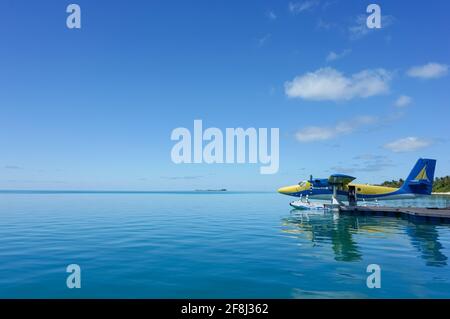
<point>441,214</point>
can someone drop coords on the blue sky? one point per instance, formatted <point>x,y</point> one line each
<point>94,108</point>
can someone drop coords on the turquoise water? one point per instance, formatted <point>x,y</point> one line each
<point>212,245</point>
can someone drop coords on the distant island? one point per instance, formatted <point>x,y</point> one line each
<point>440,185</point>
<point>211,190</point>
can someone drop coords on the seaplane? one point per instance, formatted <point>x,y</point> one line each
<point>340,187</point>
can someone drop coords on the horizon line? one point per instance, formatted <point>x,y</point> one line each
<point>24,191</point>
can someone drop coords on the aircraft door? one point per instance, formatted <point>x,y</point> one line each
<point>352,195</point>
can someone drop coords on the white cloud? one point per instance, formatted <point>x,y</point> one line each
<point>322,24</point>
<point>428,71</point>
<point>317,133</point>
<point>403,100</point>
<point>12,167</point>
<point>271,15</point>
<point>330,84</point>
<point>333,56</point>
<point>298,7</point>
<point>359,29</point>
<point>407,144</point>
<point>365,163</point>
<point>263,40</point>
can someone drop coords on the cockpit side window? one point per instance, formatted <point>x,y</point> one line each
<point>302,184</point>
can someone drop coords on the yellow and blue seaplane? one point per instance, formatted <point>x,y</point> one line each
<point>340,187</point>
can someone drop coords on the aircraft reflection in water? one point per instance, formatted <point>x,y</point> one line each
<point>325,227</point>
<point>425,239</point>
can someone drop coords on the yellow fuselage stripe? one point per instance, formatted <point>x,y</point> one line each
<point>366,189</point>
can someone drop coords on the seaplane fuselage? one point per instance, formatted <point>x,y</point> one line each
<point>418,183</point>
<point>363,191</point>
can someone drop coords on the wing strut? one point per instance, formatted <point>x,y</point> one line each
<point>335,181</point>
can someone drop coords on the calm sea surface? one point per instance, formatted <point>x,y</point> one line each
<point>212,245</point>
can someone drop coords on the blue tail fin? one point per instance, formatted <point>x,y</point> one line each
<point>420,180</point>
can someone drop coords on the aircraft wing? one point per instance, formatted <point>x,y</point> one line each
<point>340,179</point>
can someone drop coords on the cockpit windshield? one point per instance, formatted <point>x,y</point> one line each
<point>302,184</point>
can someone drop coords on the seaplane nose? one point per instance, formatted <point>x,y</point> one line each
<point>288,190</point>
